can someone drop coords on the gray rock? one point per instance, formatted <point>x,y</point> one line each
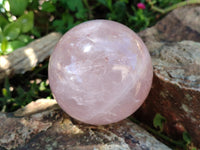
<point>175,51</point>
<point>42,125</point>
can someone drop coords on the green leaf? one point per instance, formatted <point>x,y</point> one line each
<point>54,1</point>
<point>158,121</point>
<point>104,2</point>
<point>126,1</point>
<point>17,7</point>
<point>4,92</point>
<point>35,32</point>
<point>42,86</point>
<point>8,47</point>
<point>33,4</point>
<point>81,14</point>
<point>48,7</point>
<point>24,38</point>
<point>26,22</point>
<point>11,31</point>
<point>65,23</point>
<point>118,12</point>
<point>59,25</point>
<point>107,3</point>
<point>74,4</point>
<point>13,45</point>
<point>1,36</point>
<point>3,22</point>
<point>69,21</point>
<point>64,3</point>
<point>4,45</point>
<point>186,137</point>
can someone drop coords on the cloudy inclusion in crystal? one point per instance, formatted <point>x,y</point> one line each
<point>100,72</point>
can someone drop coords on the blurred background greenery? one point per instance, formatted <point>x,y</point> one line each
<point>21,21</point>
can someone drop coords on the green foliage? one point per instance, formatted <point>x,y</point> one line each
<point>12,29</point>
<point>18,97</point>
<point>26,22</point>
<point>184,143</point>
<point>17,7</point>
<point>3,21</point>
<point>158,121</point>
<point>72,13</point>
<point>186,138</point>
<point>7,96</point>
<point>118,11</point>
<point>48,7</point>
<point>62,15</point>
<point>74,5</point>
<point>24,38</point>
<point>107,3</point>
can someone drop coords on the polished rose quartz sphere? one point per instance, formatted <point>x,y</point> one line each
<point>100,72</point>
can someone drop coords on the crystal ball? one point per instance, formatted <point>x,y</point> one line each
<point>100,72</point>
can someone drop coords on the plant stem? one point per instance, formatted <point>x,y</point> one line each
<point>168,9</point>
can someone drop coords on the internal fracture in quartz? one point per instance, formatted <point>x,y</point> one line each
<point>100,72</point>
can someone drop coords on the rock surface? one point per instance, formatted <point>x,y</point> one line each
<point>181,24</point>
<point>43,125</point>
<point>175,94</point>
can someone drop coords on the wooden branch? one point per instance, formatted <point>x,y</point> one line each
<point>26,58</point>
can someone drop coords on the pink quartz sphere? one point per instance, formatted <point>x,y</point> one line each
<point>100,72</point>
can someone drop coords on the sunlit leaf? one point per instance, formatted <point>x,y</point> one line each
<point>17,7</point>
<point>11,31</point>
<point>42,86</point>
<point>4,92</point>
<point>26,22</point>
<point>4,45</point>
